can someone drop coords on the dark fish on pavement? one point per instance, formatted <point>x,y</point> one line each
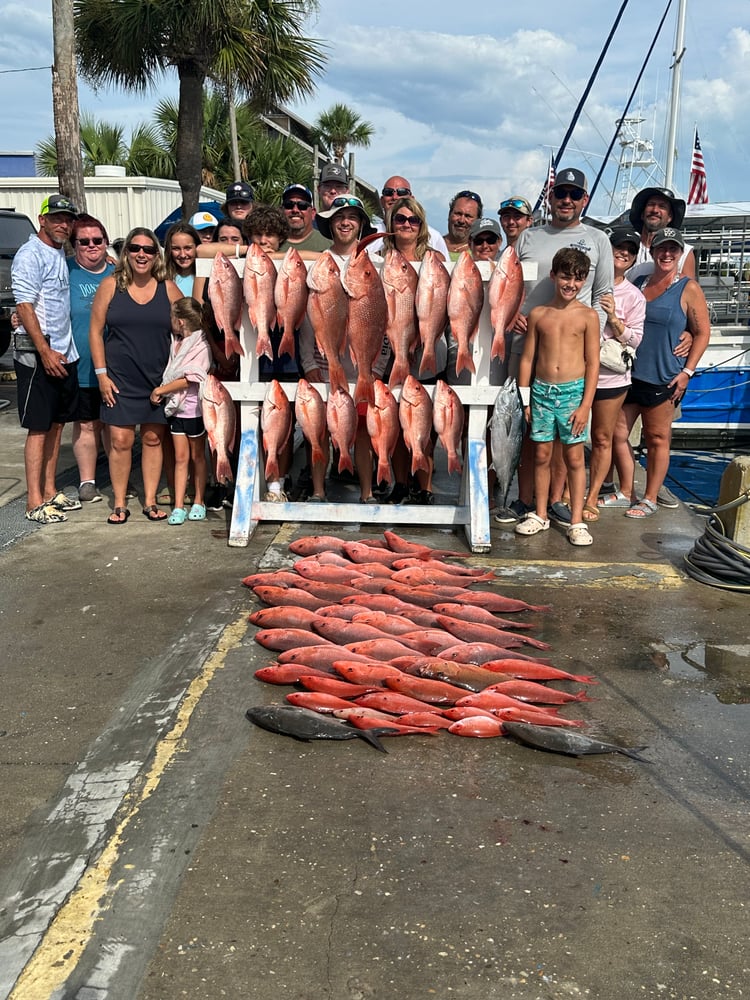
<point>302,724</point>
<point>506,434</point>
<point>563,741</point>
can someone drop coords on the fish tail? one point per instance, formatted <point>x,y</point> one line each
<point>454,463</point>
<point>345,461</point>
<point>287,344</point>
<point>223,469</point>
<point>419,461</point>
<point>429,363</point>
<point>317,456</point>
<point>465,361</point>
<point>337,376</point>
<point>498,347</point>
<point>364,391</point>
<point>272,468</point>
<point>633,753</point>
<point>398,373</point>
<point>371,736</point>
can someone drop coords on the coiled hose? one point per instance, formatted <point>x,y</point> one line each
<point>717,560</point>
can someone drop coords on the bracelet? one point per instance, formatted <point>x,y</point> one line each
<point>100,371</point>
<point>236,251</point>
<point>689,372</point>
<point>525,394</point>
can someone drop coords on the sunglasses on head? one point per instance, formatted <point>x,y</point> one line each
<point>406,220</point>
<point>469,194</point>
<point>401,192</point>
<point>574,193</point>
<point>517,203</point>
<point>150,251</point>
<point>484,240</point>
<point>343,202</point>
<point>84,241</point>
<point>303,206</point>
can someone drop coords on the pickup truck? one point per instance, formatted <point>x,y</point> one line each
<point>15,229</point>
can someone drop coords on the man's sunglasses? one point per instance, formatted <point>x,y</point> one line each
<point>303,206</point>
<point>484,240</point>
<point>406,220</point>
<point>561,193</point>
<point>517,203</point>
<point>401,192</point>
<point>134,248</point>
<point>344,202</point>
<point>84,241</point>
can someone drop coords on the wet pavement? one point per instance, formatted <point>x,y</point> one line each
<point>155,845</point>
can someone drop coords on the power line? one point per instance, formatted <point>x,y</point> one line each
<point>27,69</point>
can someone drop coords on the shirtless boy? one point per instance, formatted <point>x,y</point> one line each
<point>562,352</point>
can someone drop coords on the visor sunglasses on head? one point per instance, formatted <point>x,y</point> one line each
<point>84,241</point>
<point>574,193</point>
<point>401,192</point>
<point>468,194</point>
<point>344,202</point>
<point>517,203</point>
<point>293,203</point>
<point>135,248</point>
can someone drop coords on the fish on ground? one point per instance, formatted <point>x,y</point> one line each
<point>465,301</point>
<point>431,302</point>
<point>288,638</point>
<point>289,673</point>
<point>276,425</point>
<point>573,744</point>
<point>537,694</point>
<point>220,420</point>
<point>472,632</point>
<point>448,421</point>
<point>505,293</point>
<point>383,429</point>
<point>478,726</point>
<point>367,319</point>
<point>225,295</point>
<point>406,548</point>
<point>478,615</point>
<point>323,656</point>
<point>341,419</point>
<point>327,310</point>
<point>304,725</point>
<point>310,411</point>
<point>415,417</point>
<point>506,435</point>
<point>258,281</point>
<point>283,617</point>
<point>326,684</point>
<point>290,297</point>
<point>424,689</point>
<point>288,596</point>
<point>385,726</point>
<point>400,284</point>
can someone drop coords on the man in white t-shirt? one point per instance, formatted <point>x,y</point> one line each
<point>394,188</point>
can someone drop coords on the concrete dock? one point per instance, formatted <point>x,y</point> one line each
<point>155,845</point>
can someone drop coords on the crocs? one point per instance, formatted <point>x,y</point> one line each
<point>579,534</point>
<point>532,524</point>
<point>45,513</point>
<point>63,502</point>
<point>197,512</point>
<point>178,516</point>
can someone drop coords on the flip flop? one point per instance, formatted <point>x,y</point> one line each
<point>643,509</point>
<point>153,513</point>
<point>119,515</point>
<point>590,513</point>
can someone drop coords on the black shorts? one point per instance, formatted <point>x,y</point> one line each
<point>191,427</point>
<point>648,395</point>
<point>612,393</point>
<point>44,400</point>
<point>89,403</point>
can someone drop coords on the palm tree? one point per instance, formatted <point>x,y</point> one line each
<point>340,126</point>
<point>273,163</point>
<point>101,142</point>
<point>257,43</point>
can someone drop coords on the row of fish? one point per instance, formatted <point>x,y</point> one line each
<point>360,306</point>
<point>388,637</point>
<point>415,414</point>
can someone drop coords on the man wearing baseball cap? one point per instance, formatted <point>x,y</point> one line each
<point>204,224</point>
<point>515,215</point>
<point>297,202</point>
<point>45,356</point>
<point>239,201</point>
<point>653,209</point>
<point>334,182</point>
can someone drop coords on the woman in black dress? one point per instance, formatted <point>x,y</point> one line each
<point>133,305</point>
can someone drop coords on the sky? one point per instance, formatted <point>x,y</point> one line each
<point>474,97</point>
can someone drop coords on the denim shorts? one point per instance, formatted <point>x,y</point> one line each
<point>552,405</point>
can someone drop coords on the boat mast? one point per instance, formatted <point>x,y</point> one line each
<point>674,102</point>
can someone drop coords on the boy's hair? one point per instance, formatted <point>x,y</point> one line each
<point>190,310</point>
<point>265,220</point>
<point>571,261</point>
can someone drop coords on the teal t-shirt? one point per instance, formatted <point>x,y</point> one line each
<point>83,287</point>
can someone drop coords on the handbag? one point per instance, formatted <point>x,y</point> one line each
<point>616,356</point>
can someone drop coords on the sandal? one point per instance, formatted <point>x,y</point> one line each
<point>615,499</point>
<point>178,516</point>
<point>119,515</point>
<point>153,513</point>
<point>164,498</point>
<point>197,512</point>
<point>590,513</point>
<point>579,534</point>
<point>643,509</point>
<point>532,524</point>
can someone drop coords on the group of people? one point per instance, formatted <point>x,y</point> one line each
<point>106,342</point>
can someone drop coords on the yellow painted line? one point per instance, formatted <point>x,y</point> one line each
<point>68,934</point>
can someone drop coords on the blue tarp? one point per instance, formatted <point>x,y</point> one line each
<point>204,206</point>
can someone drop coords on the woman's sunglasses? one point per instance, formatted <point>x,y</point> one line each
<point>84,241</point>
<point>135,248</point>
<point>406,220</point>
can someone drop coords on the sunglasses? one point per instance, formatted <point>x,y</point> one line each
<point>485,240</point>
<point>561,193</point>
<point>518,203</point>
<point>343,202</point>
<point>134,248</point>
<point>469,194</point>
<point>401,192</point>
<point>406,220</point>
<point>84,241</point>
<point>303,206</point>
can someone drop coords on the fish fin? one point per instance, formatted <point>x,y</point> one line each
<point>633,752</point>
<point>464,361</point>
<point>371,736</point>
<point>364,391</point>
<point>398,373</point>
<point>428,362</point>
<point>286,345</point>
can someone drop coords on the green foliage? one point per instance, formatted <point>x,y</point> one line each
<point>339,127</point>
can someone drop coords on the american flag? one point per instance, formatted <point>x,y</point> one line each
<point>698,193</point>
<point>548,185</point>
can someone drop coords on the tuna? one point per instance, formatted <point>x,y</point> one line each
<point>573,744</point>
<point>276,424</point>
<point>225,295</point>
<point>465,301</point>
<point>505,296</point>
<point>431,301</point>
<point>302,724</point>
<point>400,284</point>
<point>220,419</point>
<point>448,421</point>
<point>290,298</point>
<point>506,435</point>
<point>258,281</point>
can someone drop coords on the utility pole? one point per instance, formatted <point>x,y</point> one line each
<point>65,105</point>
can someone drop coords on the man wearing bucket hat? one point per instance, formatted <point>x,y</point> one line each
<point>45,356</point>
<point>652,209</point>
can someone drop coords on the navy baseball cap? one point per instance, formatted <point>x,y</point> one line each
<point>240,191</point>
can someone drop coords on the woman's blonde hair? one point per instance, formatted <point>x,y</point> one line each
<point>123,270</point>
<point>423,236</point>
<point>190,310</point>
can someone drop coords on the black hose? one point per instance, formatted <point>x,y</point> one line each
<point>717,560</point>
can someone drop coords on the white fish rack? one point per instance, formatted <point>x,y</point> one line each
<point>472,509</point>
